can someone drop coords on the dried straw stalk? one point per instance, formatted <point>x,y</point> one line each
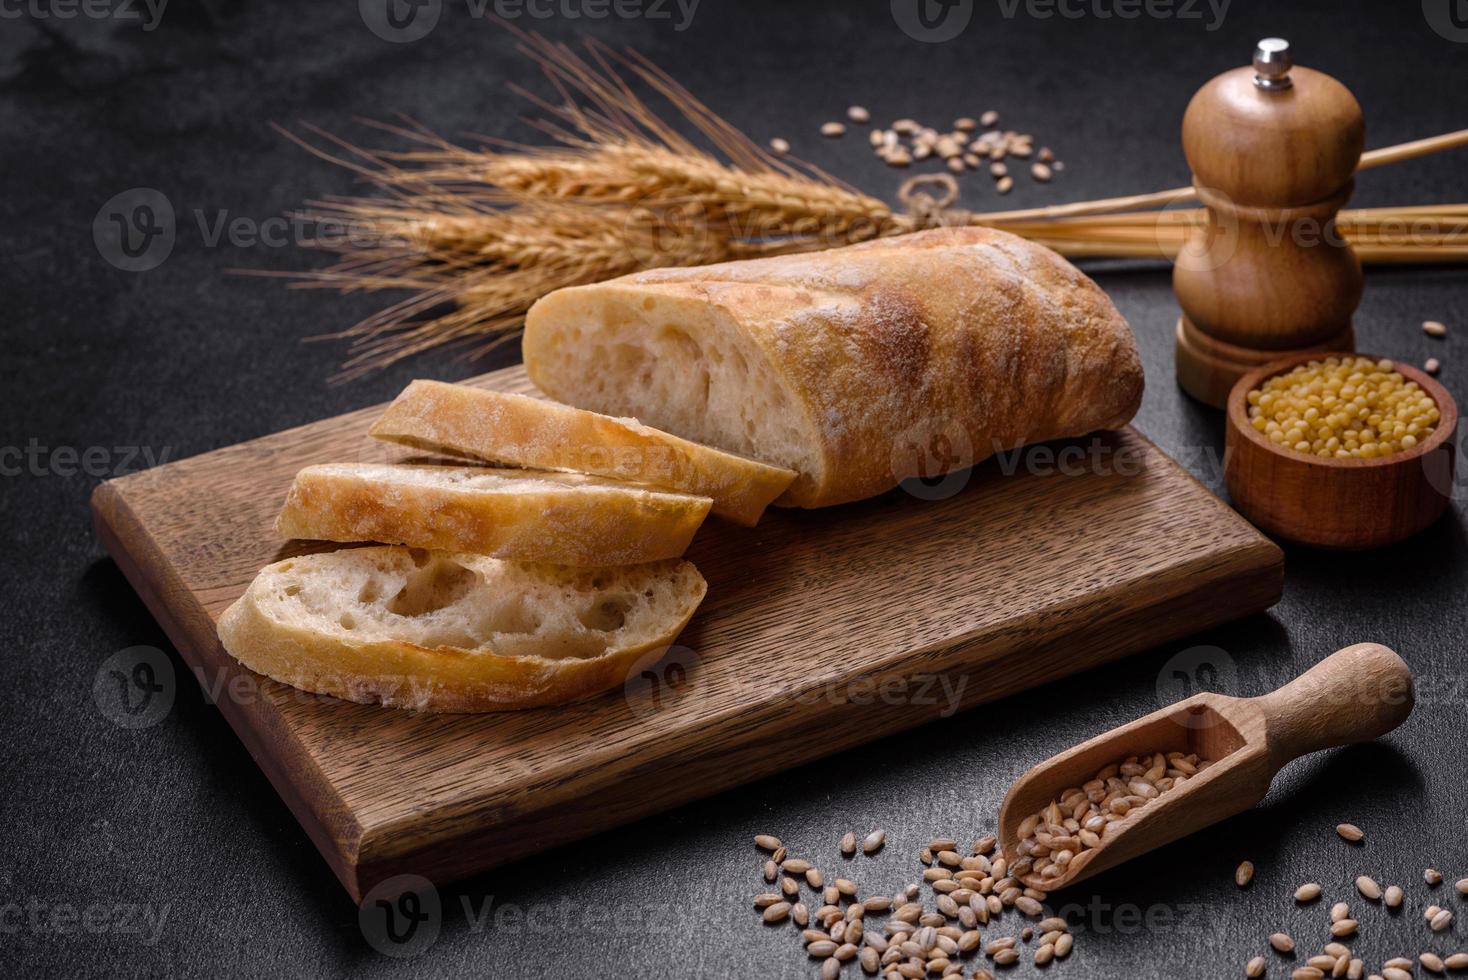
<point>476,235</point>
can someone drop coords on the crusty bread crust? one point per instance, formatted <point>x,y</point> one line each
<point>524,515</point>
<point>307,653</point>
<point>969,337</point>
<point>517,430</point>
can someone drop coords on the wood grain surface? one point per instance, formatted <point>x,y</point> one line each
<point>1356,694</point>
<point>1266,275</point>
<point>822,630</point>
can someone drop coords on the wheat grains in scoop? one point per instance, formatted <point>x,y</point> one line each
<point>1077,820</point>
<point>1235,745</point>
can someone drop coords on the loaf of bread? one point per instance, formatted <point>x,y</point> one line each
<point>841,364</point>
<point>516,430</point>
<point>433,631</point>
<point>524,515</point>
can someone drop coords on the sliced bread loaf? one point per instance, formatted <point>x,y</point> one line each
<point>518,430</point>
<point>434,631</point>
<point>524,515</point>
<point>841,364</point>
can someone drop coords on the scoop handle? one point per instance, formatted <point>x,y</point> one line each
<point>1354,695</point>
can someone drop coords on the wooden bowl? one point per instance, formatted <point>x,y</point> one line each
<point>1338,503</point>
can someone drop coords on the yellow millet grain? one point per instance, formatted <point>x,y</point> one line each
<point>1345,408</point>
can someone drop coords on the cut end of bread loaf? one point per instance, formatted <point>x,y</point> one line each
<point>678,365</point>
<point>436,631</point>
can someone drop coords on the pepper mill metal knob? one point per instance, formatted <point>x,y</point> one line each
<point>1272,63</point>
<point>1273,148</point>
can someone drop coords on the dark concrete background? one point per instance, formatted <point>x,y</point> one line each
<point>173,821</point>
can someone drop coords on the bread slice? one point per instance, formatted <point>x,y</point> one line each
<point>434,631</point>
<point>518,430</point>
<point>524,515</point>
<point>847,365</point>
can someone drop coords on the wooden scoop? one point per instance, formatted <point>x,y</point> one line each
<point>1354,695</point>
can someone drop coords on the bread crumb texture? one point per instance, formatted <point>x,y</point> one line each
<point>440,631</point>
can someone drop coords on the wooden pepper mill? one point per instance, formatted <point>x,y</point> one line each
<point>1273,149</point>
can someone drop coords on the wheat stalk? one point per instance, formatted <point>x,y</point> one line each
<point>476,234</point>
<point>485,231</point>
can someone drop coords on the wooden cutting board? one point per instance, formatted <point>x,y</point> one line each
<point>853,622</point>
